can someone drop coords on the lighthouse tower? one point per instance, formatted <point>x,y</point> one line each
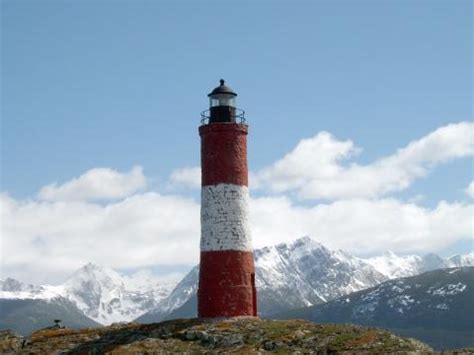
<point>227,272</point>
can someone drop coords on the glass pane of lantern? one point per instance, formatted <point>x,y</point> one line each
<point>230,100</point>
<point>214,102</point>
<point>222,100</point>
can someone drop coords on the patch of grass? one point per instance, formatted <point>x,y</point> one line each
<point>327,329</point>
<point>50,333</point>
<point>224,325</point>
<point>276,330</point>
<point>342,340</point>
<point>368,338</point>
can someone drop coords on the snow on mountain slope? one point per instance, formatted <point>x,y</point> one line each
<point>305,272</point>
<point>288,276</point>
<point>100,292</point>
<point>14,289</point>
<point>107,297</point>
<point>461,260</point>
<point>395,266</point>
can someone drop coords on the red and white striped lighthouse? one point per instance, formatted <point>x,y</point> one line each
<point>227,271</point>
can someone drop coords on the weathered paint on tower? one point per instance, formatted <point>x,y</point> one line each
<point>227,272</point>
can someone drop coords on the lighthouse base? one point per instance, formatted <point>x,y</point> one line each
<point>227,284</point>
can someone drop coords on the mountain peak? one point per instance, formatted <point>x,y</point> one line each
<point>461,260</point>
<point>390,254</point>
<point>10,284</point>
<point>305,246</point>
<point>304,239</point>
<point>432,261</point>
<point>96,271</point>
<point>296,248</point>
<point>91,267</point>
<point>305,242</point>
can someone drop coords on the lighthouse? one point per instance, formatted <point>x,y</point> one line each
<point>227,271</point>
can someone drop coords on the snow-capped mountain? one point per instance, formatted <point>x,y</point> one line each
<point>305,273</point>
<point>288,275</point>
<point>393,266</point>
<point>461,260</point>
<point>99,292</point>
<point>435,307</point>
<point>103,295</point>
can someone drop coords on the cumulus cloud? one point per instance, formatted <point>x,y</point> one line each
<point>315,169</point>
<point>470,189</point>
<point>96,184</point>
<point>44,238</point>
<point>146,229</point>
<point>363,226</point>
<point>189,177</point>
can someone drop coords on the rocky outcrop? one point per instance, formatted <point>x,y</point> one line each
<point>10,342</point>
<point>237,335</point>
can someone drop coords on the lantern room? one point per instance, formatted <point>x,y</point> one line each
<point>222,106</point>
<point>222,96</point>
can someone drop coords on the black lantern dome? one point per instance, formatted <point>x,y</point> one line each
<point>222,104</point>
<point>222,96</point>
<point>222,89</point>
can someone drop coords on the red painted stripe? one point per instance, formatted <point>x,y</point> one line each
<point>227,284</point>
<point>224,153</point>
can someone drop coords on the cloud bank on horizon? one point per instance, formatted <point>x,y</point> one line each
<point>109,217</point>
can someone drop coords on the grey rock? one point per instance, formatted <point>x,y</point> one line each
<point>202,335</point>
<point>231,340</point>
<point>190,335</point>
<point>269,345</point>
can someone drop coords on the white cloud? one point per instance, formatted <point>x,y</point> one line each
<point>363,226</point>
<point>190,177</point>
<point>42,237</point>
<point>95,184</point>
<point>470,189</point>
<point>314,168</point>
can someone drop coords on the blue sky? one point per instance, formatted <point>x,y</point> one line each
<point>119,84</point>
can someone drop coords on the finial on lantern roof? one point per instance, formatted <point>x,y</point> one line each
<point>222,89</point>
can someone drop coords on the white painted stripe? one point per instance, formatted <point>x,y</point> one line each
<point>224,218</point>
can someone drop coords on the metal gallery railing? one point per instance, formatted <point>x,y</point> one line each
<point>238,116</point>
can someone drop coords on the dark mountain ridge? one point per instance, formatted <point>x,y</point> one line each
<point>436,307</point>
